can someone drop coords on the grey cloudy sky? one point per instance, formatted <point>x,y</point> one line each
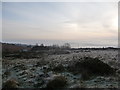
<point>79,23</point>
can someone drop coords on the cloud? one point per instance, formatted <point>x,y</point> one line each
<point>60,21</point>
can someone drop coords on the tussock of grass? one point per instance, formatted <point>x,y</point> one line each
<point>91,66</point>
<point>10,84</point>
<point>95,66</point>
<point>59,68</point>
<point>57,82</point>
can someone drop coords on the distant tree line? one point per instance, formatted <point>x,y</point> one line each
<point>54,46</point>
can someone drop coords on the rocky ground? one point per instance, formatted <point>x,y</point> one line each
<point>50,71</point>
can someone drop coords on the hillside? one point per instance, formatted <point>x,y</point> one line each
<point>13,47</point>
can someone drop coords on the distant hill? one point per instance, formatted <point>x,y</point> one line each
<point>7,47</point>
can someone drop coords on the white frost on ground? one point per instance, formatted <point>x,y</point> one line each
<point>29,73</point>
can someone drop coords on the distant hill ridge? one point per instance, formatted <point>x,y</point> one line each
<point>7,47</point>
<point>10,47</point>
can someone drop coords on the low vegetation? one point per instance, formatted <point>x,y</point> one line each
<point>59,68</point>
<point>11,84</point>
<point>57,82</point>
<point>91,66</point>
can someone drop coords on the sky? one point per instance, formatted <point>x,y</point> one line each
<point>82,24</point>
